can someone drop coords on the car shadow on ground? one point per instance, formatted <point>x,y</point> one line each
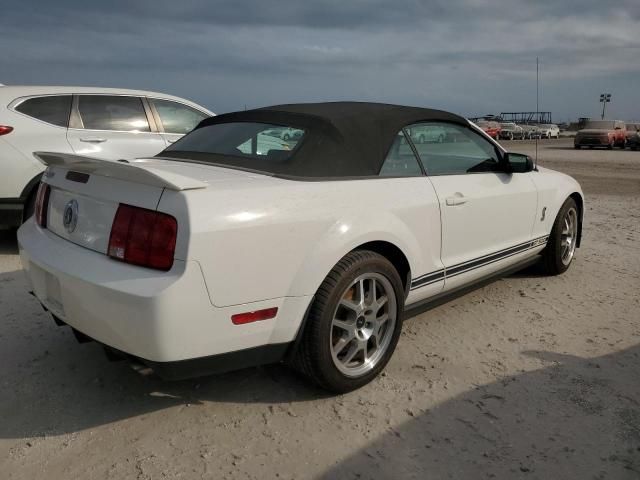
<point>50,372</point>
<point>8,242</point>
<point>577,418</point>
<point>51,385</point>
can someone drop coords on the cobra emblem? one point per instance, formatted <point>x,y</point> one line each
<point>70,216</point>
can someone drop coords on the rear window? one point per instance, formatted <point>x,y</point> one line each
<point>176,117</point>
<point>54,109</point>
<point>261,142</point>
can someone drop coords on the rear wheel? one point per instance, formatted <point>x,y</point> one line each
<point>354,323</point>
<point>561,247</point>
<point>29,207</point>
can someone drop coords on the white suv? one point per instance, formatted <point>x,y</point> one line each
<point>102,122</point>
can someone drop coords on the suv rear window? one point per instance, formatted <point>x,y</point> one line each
<point>176,117</point>
<point>54,109</point>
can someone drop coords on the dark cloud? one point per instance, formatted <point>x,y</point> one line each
<point>471,56</point>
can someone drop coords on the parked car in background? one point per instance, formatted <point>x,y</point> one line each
<point>531,132</point>
<point>633,135</point>
<point>549,130</point>
<point>421,134</point>
<point>491,128</point>
<point>206,258</point>
<point>285,133</point>
<point>602,133</point>
<point>103,122</point>
<point>511,131</point>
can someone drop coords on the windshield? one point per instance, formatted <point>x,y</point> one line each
<point>600,124</point>
<point>260,141</point>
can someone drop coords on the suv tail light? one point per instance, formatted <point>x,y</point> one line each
<point>143,237</point>
<point>4,129</point>
<point>42,204</point>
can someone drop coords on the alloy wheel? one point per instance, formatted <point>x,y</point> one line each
<point>363,324</point>
<point>568,236</point>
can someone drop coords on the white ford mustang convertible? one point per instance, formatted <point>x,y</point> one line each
<point>234,248</point>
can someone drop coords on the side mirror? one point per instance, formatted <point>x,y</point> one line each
<point>518,163</point>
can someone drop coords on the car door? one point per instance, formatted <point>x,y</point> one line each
<point>175,119</point>
<point>487,215</point>
<point>112,127</point>
<point>421,214</point>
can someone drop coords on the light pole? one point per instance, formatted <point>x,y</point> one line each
<point>604,99</point>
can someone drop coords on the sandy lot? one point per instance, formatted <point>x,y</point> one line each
<point>528,377</point>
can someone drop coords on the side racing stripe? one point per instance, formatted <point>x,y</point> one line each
<point>469,265</point>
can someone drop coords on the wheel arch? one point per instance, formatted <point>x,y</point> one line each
<point>29,192</point>
<point>396,257</point>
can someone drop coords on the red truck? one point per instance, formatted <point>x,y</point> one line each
<point>491,128</point>
<point>602,133</point>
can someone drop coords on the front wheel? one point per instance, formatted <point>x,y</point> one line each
<point>560,249</point>
<point>354,323</point>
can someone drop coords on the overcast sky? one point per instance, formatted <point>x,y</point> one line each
<point>472,56</point>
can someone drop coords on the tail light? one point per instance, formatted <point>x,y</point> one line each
<point>42,204</point>
<point>143,237</point>
<point>4,129</point>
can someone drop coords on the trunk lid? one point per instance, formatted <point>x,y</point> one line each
<point>83,213</point>
<point>86,192</point>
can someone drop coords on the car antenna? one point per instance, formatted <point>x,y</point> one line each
<point>535,164</point>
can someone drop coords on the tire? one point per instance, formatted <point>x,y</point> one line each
<point>29,206</point>
<point>577,147</point>
<point>556,258</point>
<point>326,350</point>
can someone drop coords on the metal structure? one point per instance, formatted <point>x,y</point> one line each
<point>604,99</point>
<point>521,118</point>
<point>527,117</point>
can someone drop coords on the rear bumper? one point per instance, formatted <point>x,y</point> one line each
<point>158,317</point>
<point>591,141</point>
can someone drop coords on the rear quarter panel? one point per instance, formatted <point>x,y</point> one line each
<point>272,238</point>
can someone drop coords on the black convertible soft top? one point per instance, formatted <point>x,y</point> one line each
<point>342,139</point>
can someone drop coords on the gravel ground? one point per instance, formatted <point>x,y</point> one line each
<point>528,377</point>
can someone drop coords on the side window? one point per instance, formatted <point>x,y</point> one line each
<point>448,149</point>
<point>400,161</point>
<point>54,109</point>
<point>105,112</point>
<point>177,118</point>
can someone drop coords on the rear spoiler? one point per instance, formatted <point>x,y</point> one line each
<point>136,172</point>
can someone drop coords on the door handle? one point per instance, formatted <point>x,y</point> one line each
<point>93,140</point>
<point>456,199</point>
